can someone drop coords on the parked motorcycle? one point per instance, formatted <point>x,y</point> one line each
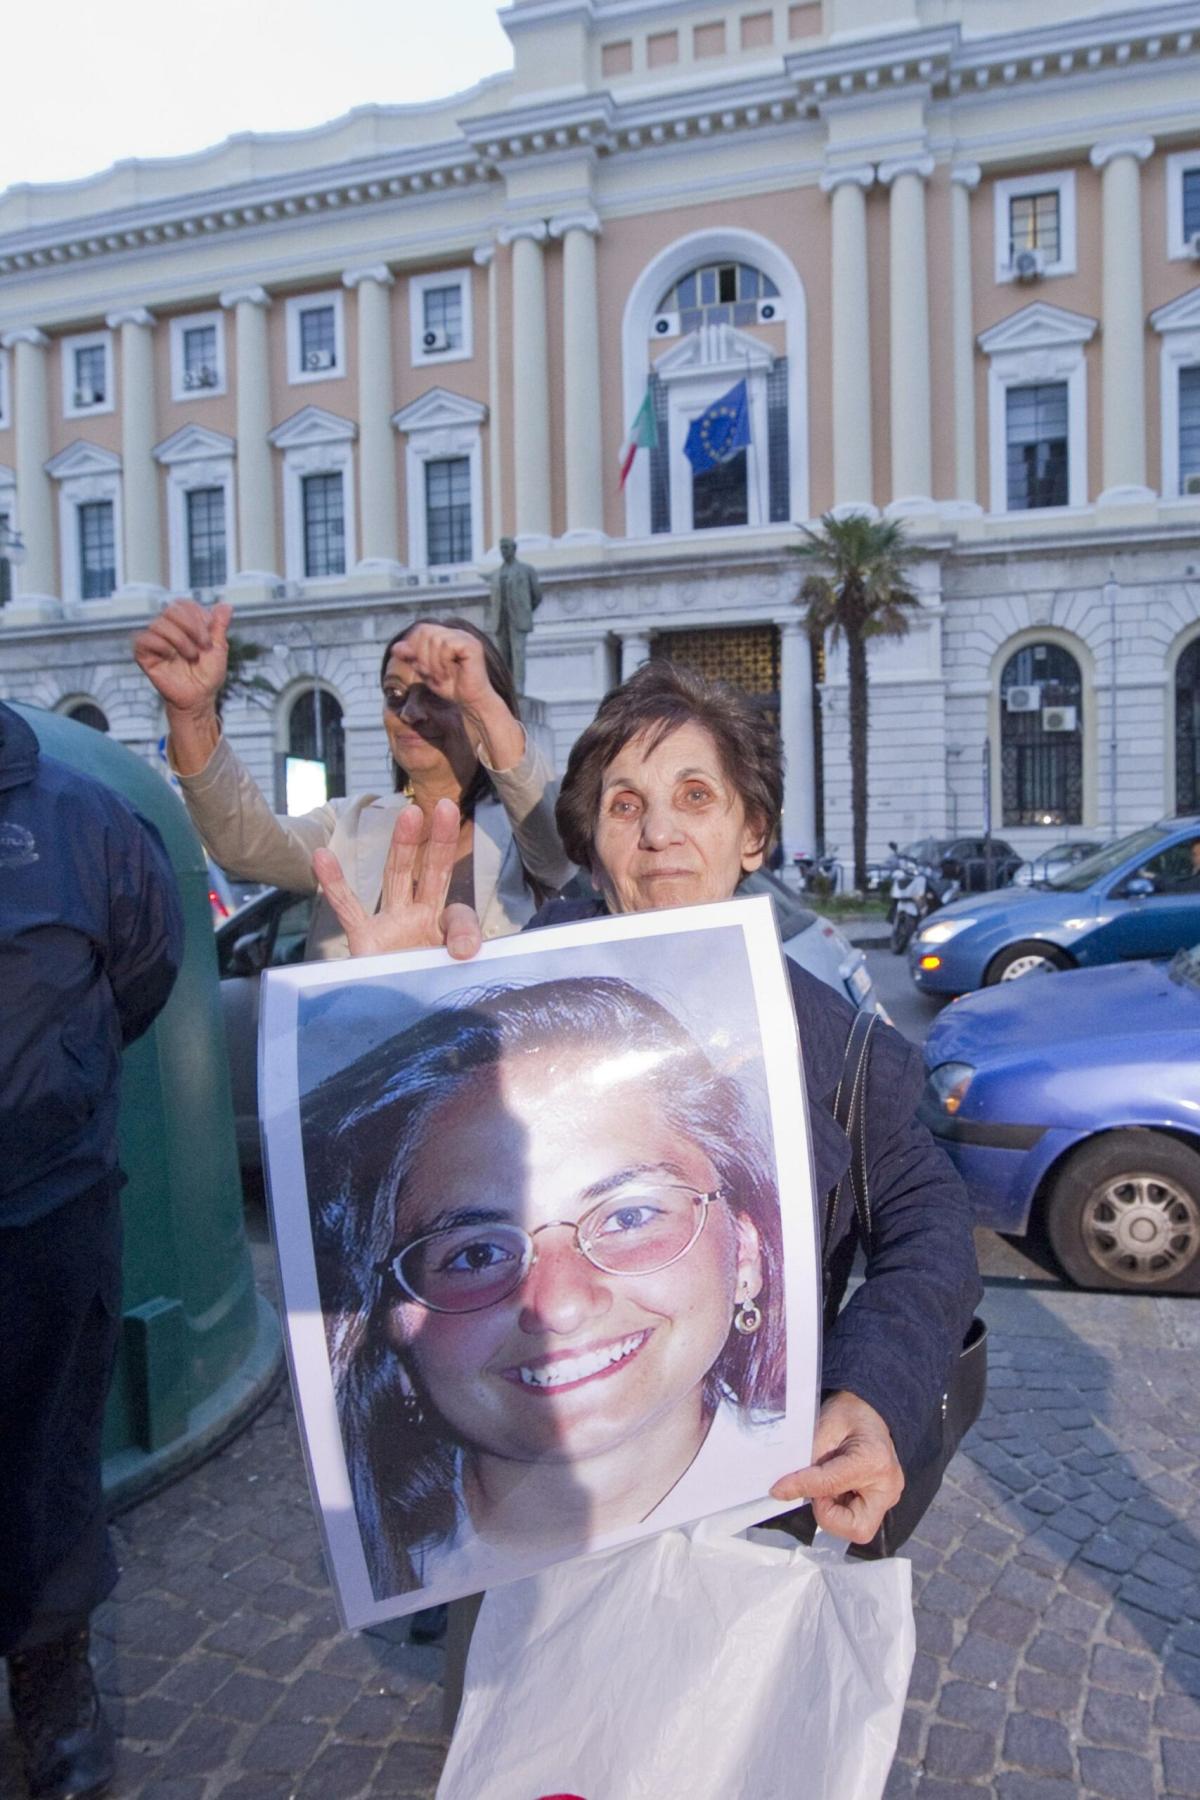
<point>817,875</point>
<point>917,890</point>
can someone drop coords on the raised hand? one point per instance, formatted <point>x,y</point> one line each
<point>450,663</point>
<point>413,914</point>
<point>854,1476</point>
<point>185,653</point>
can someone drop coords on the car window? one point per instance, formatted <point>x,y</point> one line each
<point>291,934</point>
<point>1175,870</point>
<point>1104,861</point>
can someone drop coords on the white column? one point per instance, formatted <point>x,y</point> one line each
<point>530,383</point>
<point>581,377</point>
<point>255,471</point>
<point>1122,342</point>
<point>851,350</point>
<point>908,356</point>
<point>796,731</point>
<point>485,258</point>
<point>635,650</point>
<point>379,536</point>
<point>34,579</point>
<point>963,178</point>
<point>143,574</point>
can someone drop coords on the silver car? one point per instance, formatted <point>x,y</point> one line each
<point>1053,862</point>
<point>271,930</point>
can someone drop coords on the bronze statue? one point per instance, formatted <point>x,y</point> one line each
<point>516,595</point>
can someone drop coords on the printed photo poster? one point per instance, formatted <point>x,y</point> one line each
<point>547,1240</point>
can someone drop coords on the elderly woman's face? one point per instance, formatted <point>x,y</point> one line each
<point>576,1361</point>
<point>672,829</point>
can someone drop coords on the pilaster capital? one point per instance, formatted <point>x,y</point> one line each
<point>1140,148</point>
<point>484,255</point>
<point>377,272</point>
<point>582,220</point>
<point>921,165</point>
<point>128,315</point>
<point>255,295</point>
<point>25,334</point>
<point>525,228</point>
<point>862,175</point>
<point>966,175</point>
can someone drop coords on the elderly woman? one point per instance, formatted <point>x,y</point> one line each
<point>553,1312</point>
<point>671,796</point>
<point>450,714</point>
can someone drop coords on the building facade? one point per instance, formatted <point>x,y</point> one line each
<point>951,248</point>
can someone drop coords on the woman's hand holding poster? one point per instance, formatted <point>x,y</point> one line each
<point>547,1239</point>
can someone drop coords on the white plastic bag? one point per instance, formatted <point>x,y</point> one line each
<point>688,1667</point>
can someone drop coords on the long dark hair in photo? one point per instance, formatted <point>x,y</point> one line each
<point>361,1128</point>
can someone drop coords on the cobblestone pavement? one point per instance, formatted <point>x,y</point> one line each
<point>1058,1610</point>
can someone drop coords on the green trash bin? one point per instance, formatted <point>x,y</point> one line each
<point>200,1348</point>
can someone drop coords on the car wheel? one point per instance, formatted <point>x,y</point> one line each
<point>903,926</point>
<point>1025,959</point>
<point>1124,1214</point>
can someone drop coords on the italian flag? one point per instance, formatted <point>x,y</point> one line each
<point>643,435</point>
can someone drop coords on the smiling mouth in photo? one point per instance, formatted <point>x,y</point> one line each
<point>572,1368</point>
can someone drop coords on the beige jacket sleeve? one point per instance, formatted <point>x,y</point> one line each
<point>528,793</point>
<point>239,829</point>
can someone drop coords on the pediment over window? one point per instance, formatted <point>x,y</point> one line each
<point>1038,327</point>
<point>193,443</point>
<point>437,409</point>
<point>714,347</point>
<point>81,458</point>
<point>1179,315</point>
<point>312,425</point>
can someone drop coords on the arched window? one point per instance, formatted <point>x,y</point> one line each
<point>718,293</point>
<point>1187,730</point>
<point>86,712</point>
<point>1041,737</point>
<point>318,735</point>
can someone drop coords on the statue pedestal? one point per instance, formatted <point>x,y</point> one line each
<point>535,718</point>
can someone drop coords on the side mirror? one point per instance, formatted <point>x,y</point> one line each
<point>249,954</point>
<point>1138,887</point>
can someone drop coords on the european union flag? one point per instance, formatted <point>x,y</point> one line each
<point>720,432</point>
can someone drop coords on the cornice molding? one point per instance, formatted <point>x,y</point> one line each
<point>82,458</point>
<point>1036,327</point>
<point>1102,154</point>
<point>129,315</point>
<point>252,292</point>
<point>193,443</point>
<point>312,425</point>
<point>377,272</point>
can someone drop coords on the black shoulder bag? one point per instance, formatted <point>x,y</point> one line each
<point>962,1402</point>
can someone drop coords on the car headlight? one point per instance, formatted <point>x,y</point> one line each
<point>948,1084</point>
<point>941,929</point>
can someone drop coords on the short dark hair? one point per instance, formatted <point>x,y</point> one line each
<point>499,675</point>
<point>657,699</point>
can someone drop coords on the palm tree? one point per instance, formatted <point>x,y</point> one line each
<point>857,590</point>
<point>240,681</point>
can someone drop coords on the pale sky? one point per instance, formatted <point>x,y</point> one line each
<point>85,86</point>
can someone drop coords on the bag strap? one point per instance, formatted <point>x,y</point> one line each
<point>850,1112</point>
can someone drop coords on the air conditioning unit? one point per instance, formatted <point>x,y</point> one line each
<point>665,325</point>
<point>1023,699</point>
<point>1058,718</point>
<point>86,396</point>
<point>770,312</point>
<point>1193,246</point>
<point>432,341</point>
<point>1028,265</point>
<point>319,359</point>
<point>202,377</point>
<point>1191,483</point>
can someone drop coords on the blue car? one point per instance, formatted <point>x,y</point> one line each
<point>1138,897</point>
<point>1076,1104</point>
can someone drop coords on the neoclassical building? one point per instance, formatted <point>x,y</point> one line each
<point>951,248</point>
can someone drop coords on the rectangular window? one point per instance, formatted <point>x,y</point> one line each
<point>443,318</point>
<point>324,526</point>
<point>720,495</point>
<point>206,537</point>
<point>199,357</point>
<point>1036,433</point>
<point>1033,225</point>
<point>448,510</point>
<point>97,550</point>
<point>90,374</point>
<point>1191,203</point>
<point>1189,429</point>
<point>318,339</point>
